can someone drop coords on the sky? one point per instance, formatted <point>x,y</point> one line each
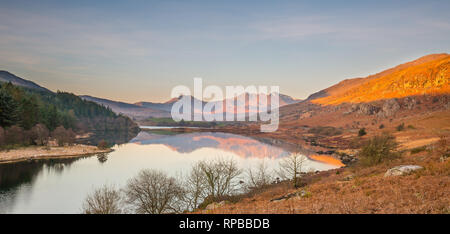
<point>139,50</point>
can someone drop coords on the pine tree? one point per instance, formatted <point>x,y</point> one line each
<point>8,109</point>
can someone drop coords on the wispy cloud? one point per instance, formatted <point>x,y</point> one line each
<point>39,33</point>
<point>371,26</point>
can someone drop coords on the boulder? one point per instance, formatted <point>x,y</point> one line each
<point>348,178</point>
<point>402,170</point>
<point>215,205</point>
<point>297,194</point>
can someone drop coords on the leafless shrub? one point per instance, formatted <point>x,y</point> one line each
<point>259,177</point>
<point>102,144</point>
<point>40,134</point>
<point>63,136</point>
<point>153,192</point>
<point>105,200</point>
<point>211,181</point>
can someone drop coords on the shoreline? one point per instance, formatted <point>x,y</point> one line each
<point>30,153</point>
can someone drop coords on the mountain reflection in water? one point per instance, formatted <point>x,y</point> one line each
<point>61,185</point>
<point>186,143</point>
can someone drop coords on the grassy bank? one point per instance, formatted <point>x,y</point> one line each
<point>44,152</point>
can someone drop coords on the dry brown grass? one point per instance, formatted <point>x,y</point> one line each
<point>426,191</point>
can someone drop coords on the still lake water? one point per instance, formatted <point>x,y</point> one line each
<point>61,185</point>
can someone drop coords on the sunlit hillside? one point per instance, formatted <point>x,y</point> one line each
<point>427,75</point>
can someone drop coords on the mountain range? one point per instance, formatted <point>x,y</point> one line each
<point>143,110</point>
<point>426,75</point>
<point>139,110</point>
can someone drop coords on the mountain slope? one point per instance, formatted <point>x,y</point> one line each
<point>426,75</point>
<point>131,110</point>
<point>15,80</point>
<point>29,104</point>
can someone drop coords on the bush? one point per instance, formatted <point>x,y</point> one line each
<point>401,127</point>
<point>102,144</point>
<point>418,149</point>
<point>411,127</point>
<point>378,149</point>
<point>63,136</point>
<point>362,132</point>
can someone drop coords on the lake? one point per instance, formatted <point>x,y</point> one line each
<point>61,185</point>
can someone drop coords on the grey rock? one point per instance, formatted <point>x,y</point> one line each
<point>402,170</point>
<point>389,108</point>
<point>348,178</point>
<point>215,205</point>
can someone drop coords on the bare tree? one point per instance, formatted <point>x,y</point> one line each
<point>260,176</point>
<point>105,200</point>
<point>291,167</point>
<point>153,192</point>
<point>220,176</point>
<point>40,134</point>
<point>70,136</point>
<point>59,134</point>
<point>195,186</point>
<point>63,136</point>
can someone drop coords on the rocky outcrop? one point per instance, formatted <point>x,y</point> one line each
<point>402,170</point>
<point>410,102</point>
<point>381,109</point>
<point>365,109</point>
<point>389,108</point>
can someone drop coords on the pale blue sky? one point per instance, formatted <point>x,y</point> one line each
<point>138,50</point>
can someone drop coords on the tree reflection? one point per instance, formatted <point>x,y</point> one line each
<point>102,157</point>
